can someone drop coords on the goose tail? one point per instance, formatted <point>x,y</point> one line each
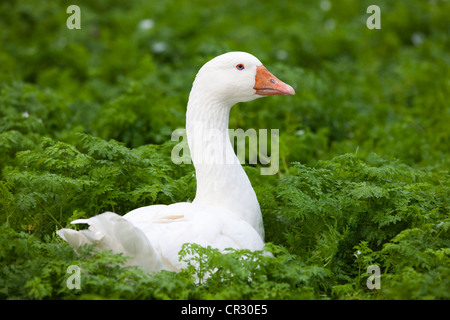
<point>109,231</point>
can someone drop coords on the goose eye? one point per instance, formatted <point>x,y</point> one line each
<point>240,66</point>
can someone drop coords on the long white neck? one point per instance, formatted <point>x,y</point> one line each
<point>221,180</point>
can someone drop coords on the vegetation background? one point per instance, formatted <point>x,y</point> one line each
<point>86,118</point>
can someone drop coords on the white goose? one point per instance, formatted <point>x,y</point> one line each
<point>225,212</point>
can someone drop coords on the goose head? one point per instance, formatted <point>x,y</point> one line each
<point>238,77</point>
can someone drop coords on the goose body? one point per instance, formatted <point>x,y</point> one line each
<point>225,212</point>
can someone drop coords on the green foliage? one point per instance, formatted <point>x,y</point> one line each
<point>86,118</point>
<point>242,274</point>
<point>56,179</point>
<point>395,216</point>
<point>327,224</point>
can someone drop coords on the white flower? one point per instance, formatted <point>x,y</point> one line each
<point>325,5</point>
<point>25,114</point>
<point>417,38</point>
<point>159,47</point>
<point>146,24</point>
<point>282,54</point>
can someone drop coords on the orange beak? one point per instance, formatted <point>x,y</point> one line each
<point>267,84</point>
